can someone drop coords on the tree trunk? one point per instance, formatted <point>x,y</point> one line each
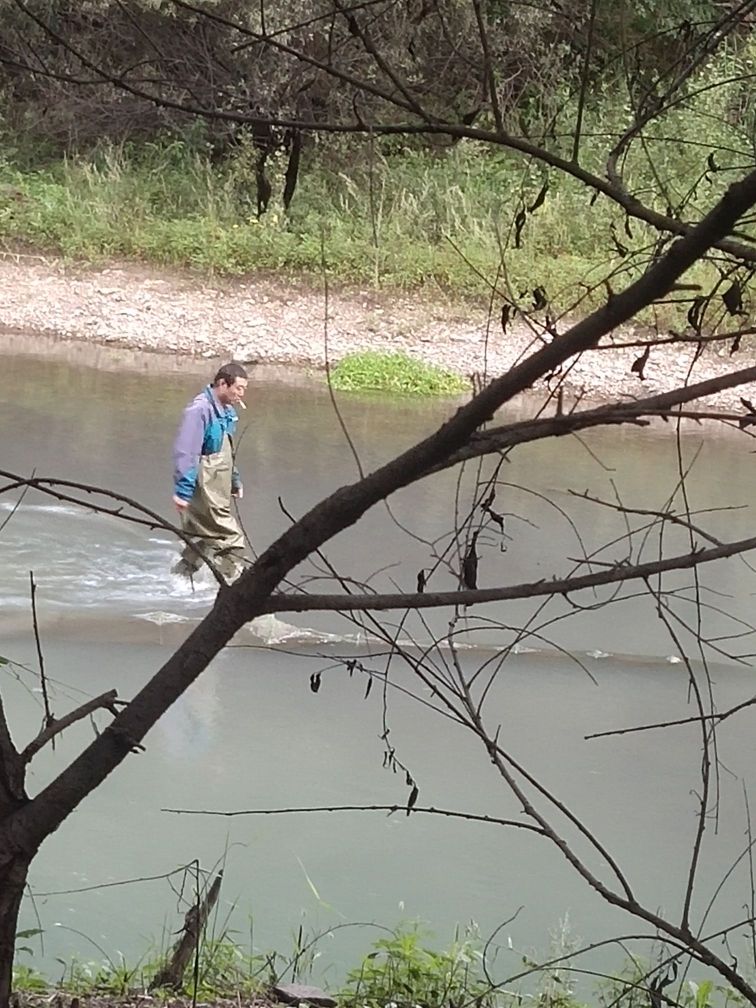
<point>13,872</point>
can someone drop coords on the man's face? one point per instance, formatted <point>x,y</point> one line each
<point>229,395</point>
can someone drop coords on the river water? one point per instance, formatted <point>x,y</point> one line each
<point>251,734</point>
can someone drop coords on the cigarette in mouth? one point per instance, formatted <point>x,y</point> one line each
<point>241,403</point>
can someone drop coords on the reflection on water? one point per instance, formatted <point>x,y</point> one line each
<point>251,734</point>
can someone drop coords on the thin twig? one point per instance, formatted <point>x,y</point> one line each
<point>488,69</point>
<point>326,352</point>
<point>391,809</point>
<point>15,507</point>
<point>40,656</point>
<point>677,722</point>
<point>584,82</point>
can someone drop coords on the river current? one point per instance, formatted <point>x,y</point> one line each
<point>252,734</point>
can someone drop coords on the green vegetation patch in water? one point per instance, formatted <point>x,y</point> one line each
<point>397,373</point>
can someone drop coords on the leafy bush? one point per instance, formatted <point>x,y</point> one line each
<point>402,970</point>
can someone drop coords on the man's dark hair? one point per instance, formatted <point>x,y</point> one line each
<point>229,373</point>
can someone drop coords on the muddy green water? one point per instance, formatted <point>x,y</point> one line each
<point>251,735</point>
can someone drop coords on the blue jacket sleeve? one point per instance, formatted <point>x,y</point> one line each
<point>187,451</point>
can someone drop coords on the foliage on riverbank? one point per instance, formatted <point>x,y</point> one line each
<point>395,373</point>
<point>402,969</point>
<point>392,213</point>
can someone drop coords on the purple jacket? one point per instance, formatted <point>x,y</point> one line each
<point>201,431</point>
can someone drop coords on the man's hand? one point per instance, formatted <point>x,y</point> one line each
<point>181,505</point>
<point>238,492</point>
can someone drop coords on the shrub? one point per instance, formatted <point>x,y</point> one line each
<point>402,970</point>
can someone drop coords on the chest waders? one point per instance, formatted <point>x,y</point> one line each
<point>210,519</point>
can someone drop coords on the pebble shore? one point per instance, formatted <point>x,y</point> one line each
<point>283,323</point>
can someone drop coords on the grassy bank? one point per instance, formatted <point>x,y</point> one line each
<point>402,969</point>
<point>402,966</point>
<point>392,216</point>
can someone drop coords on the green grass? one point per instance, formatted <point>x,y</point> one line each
<point>404,968</point>
<point>397,373</point>
<point>399,217</point>
<point>225,969</point>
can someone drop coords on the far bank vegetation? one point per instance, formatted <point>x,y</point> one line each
<point>95,173</point>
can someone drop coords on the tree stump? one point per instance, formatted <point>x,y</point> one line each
<point>172,973</point>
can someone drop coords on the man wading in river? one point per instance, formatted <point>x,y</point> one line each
<point>206,478</point>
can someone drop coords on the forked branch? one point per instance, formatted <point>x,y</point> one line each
<point>106,701</point>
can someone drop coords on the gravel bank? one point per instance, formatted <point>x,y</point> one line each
<point>191,318</point>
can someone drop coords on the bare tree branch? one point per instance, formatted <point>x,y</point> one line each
<point>616,574</point>
<point>730,20</point>
<point>488,71</point>
<point>682,933</point>
<point>40,656</point>
<point>106,701</point>
<point>410,101</point>
<point>584,78</point>
<point>676,722</point>
<point>496,439</point>
<point>390,809</point>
